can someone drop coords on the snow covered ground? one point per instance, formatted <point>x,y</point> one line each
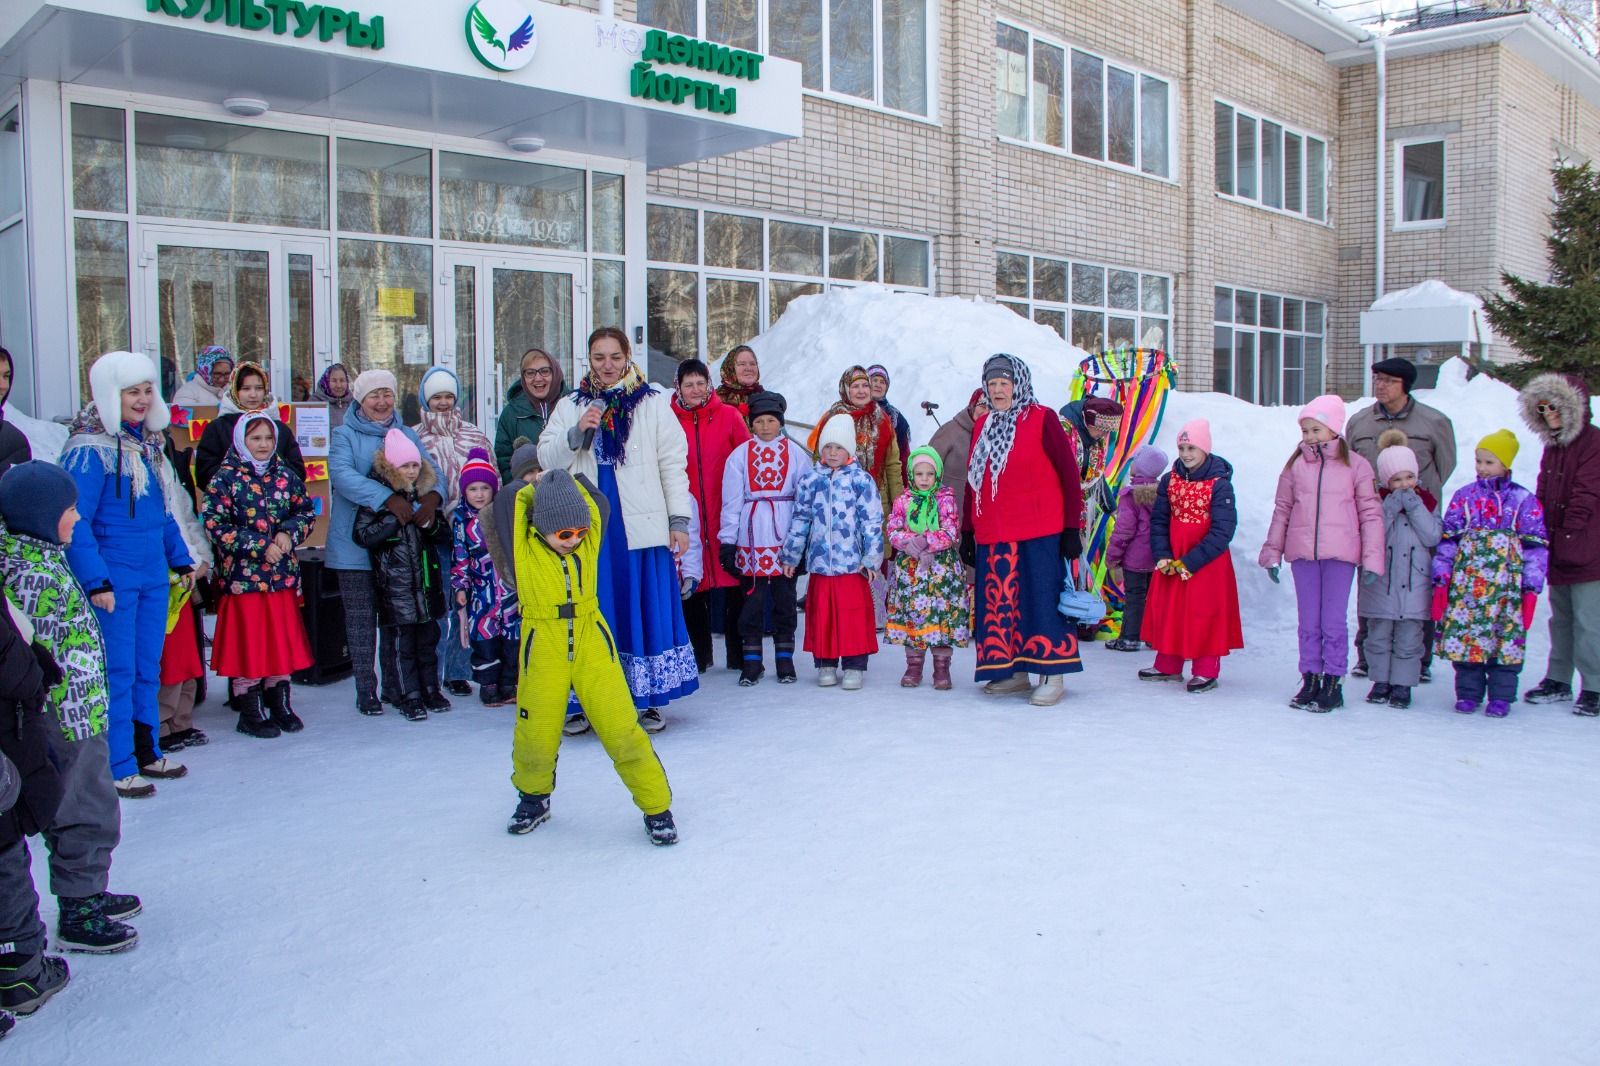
<point>1134,876</point>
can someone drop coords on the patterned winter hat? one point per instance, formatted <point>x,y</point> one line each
<point>479,471</point>
<point>558,504</point>
<point>1503,445</point>
<point>1101,413</point>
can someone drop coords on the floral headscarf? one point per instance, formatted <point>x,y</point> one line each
<point>874,430</point>
<point>730,391</point>
<point>231,398</point>
<point>207,358</point>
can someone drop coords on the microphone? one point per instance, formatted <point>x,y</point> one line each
<point>929,406</point>
<point>588,434</point>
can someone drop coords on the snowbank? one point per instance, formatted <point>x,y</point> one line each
<point>45,438</point>
<point>1430,293</point>
<point>934,346</point>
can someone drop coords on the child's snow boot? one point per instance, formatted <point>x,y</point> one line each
<point>1122,644</point>
<point>412,710</point>
<point>276,700</point>
<point>1379,693</point>
<point>1588,705</point>
<point>489,695</point>
<point>458,687</point>
<point>852,680</point>
<point>661,829</point>
<point>27,981</point>
<point>1548,691</point>
<point>1360,668</point>
<point>915,658</point>
<point>1201,684</point>
<point>941,670</point>
<point>8,1022</point>
<point>1330,695</point>
<point>1151,673</point>
<point>532,811</point>
<point>1399,696</point>
<point>434,700</point>
<point>1466,706</point>
<point>751,669</point>
<point>369,705</point>
<point>117,906</point>
<point>827,676</point>
<point>785,658</point>
<point>253,720</point>
<point>1048,692</point>
<point>1307,693</point>
<point>83,926</point>
<point>1497,709</point>
<point>576,725</point>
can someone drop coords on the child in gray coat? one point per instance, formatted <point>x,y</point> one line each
<point>1397,603</point>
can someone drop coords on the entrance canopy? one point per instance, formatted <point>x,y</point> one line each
<point>1430,313</point>
<point>495,69</point>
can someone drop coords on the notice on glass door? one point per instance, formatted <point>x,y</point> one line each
<point>416,346</point>
<point>312,429</point>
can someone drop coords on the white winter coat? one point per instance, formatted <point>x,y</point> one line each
<point>653,481</point>
<point>196,393</point>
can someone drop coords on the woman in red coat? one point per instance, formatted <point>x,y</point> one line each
<point>1020,524</point>
<point>1192,609</point>
<point>714,430</point>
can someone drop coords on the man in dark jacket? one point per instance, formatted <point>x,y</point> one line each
<point>1429,434</point>
<point>1556,407</point>
<point>28,977</point>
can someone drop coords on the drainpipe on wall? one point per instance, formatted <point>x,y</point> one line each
<point>1382,169</point>
<point>608,9</point>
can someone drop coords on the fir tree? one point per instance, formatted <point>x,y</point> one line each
<point>1557,326</point>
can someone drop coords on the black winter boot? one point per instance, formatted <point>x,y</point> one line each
<point>1309,684</point>
<point>434,700</point>
<point>1588,705</point>
<point>119,907</point>
<point>1400,696</point>
<point>661,829</point>
<point>1548,691</point>
<point>412,710</point>
<point>785,660</point>
<point>750,673</point>
<point>1379,693</point>
<point>27,981</point>
<point>532,811</point>
<point>253,720</point>
<point>276,700</point>
<point>1329,694</point>
<point>83,926</point>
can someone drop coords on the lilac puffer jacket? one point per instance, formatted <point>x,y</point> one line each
<point>1326,509</point>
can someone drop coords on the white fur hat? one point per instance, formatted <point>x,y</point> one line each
<point>437,380</point>
<point>840,430</point>
<point>115,371</point>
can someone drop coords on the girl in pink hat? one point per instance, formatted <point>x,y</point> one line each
<point>1326,522</point>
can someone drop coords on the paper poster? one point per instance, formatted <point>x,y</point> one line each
<point>312,429</point>
<point>416,345</point>
<point>397,303</point>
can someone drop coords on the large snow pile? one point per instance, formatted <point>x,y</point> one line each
<point>1430,293</point>
<point>933,346</point>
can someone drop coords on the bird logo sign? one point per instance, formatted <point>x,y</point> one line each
<point>501,34</point>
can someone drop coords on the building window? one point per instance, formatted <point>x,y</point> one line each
<point>1419,183</point>
<point>872,50</point>
<point>1095,306</point>
<point>1054,96</point>
<point>718,278</point>
<point>1270,164</point>
<point>1267,349</point>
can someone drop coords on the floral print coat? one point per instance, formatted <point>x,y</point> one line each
<point>243,510</point>
<point>929,604</point>
<point>1494,548</point>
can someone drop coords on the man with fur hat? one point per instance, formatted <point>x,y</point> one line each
<point>551,552</point>
<point>1556,407</point>
<point>125,544</point>
<point>1430,435</point>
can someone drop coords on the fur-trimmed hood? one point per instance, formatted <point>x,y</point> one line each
<point>1568,395</point>
<point>389,474</point>
<point>1145,495</point>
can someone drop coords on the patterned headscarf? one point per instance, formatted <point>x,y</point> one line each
<point>611,443</point>
<point>207,358</point>
<point>239,374</point>
<point>326,395</point>
<point>874,430</point>
<point>922,513</point>
<point>730,391</point>
<point>993,446</point>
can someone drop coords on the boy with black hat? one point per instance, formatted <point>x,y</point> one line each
<point>39,504</point>
<point>758,486</point>
<point>554,555</point>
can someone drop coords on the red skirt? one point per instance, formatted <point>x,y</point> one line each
<point>1197,618</point>
<point>180,655</point>
<point>839,617</point>
<point>260,634</point>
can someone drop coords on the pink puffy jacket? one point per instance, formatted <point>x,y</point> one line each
<point>1326,509</point>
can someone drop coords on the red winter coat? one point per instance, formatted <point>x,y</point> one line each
<point>714,430</point>
<point>1039,493</point>
<point>1569,477</point>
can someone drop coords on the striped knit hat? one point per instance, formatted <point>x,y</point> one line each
<point>478,470</point>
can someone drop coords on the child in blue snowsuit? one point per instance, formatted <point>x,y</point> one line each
<point>124,546</point>
<point>493,627</point>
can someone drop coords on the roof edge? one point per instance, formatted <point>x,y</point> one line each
<point>1305,20</point>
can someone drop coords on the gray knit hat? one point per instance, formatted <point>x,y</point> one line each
<point>524,459</point>
<point>558,504</point>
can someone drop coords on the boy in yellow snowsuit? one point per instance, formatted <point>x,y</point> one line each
<point>552,536</point>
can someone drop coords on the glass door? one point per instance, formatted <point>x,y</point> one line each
<point>495,309</point>
<point>264,298</point>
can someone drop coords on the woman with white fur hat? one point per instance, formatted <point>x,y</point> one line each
<point>125,543</point>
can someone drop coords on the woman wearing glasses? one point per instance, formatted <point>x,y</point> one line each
<point>529,402</point>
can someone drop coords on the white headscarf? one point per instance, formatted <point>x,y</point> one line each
<point>242,427</point>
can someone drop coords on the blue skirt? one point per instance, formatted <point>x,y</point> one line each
<point>640,601</point>
<point>1016,625</point>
